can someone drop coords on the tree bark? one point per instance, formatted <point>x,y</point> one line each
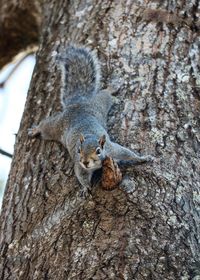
<point>148,228</point>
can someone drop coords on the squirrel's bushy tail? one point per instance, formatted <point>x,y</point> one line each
<point>80,73</point>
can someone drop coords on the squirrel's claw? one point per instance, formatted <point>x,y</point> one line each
<point>34,131</point>
<point>149,158</point>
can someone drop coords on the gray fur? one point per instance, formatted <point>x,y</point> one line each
<point>80,74</point>
<point>82,123</point>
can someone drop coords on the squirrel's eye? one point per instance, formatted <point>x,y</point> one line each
<point>98,151</point>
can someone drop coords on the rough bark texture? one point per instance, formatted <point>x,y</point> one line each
<point>149,228</point>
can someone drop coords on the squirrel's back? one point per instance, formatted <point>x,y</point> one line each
<point>80,73</point>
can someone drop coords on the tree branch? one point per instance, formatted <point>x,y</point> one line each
<point>2,84</point>
<point>19,28</point>
<point>5,153</point>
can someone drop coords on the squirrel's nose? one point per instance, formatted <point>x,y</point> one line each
<point>86,163</point>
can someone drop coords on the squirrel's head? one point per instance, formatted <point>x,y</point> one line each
<point>91,151</point>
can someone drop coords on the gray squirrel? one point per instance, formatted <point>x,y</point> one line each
<point>81,126</point>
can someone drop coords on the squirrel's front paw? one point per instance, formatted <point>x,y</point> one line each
<point>34,131</point>
<point>85,192</point>
<point>149,158</point>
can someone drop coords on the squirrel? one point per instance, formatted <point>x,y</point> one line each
<point>81,126</point>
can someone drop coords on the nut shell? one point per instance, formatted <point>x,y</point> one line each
<point>111,174</point>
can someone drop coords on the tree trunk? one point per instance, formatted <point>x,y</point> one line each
<point>148,228</point>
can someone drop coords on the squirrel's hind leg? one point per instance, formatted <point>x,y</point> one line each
<point>49,129</point>
<point>119,152</point>
<point>104,100</point>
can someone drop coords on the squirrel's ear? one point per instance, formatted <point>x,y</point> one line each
<point>102,141</point>
<point>82,139</point>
